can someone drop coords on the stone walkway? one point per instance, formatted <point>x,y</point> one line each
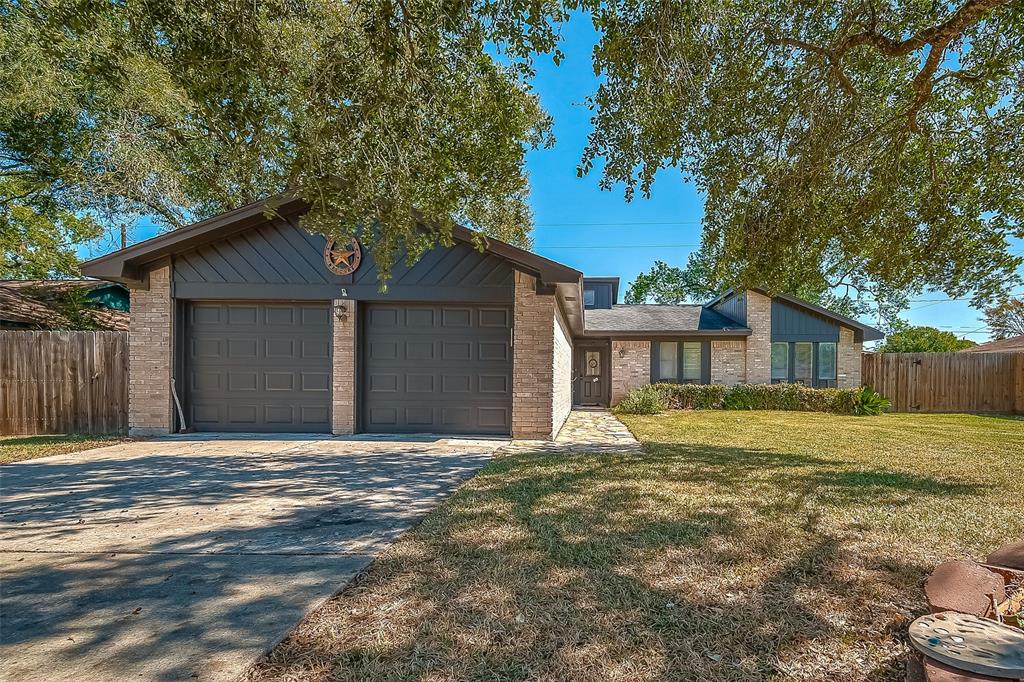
<point>586,430</point>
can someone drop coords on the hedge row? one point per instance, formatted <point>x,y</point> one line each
<point>659,397</point>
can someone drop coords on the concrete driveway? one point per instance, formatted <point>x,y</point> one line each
<point>181,559</point>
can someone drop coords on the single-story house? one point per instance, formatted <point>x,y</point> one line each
<point>33,304</point>
<point>1012,344</point>
<point>260,326</point>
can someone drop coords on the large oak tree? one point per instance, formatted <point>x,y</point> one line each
<point>859,142</point>
<point>874,144</point>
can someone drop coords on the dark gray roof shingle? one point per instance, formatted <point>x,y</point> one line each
<point>658,318</point>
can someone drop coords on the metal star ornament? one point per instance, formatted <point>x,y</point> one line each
<point>342,259</point>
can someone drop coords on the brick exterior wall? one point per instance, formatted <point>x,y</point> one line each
<point>729,362</point>
<point>562,374</point>
<point>759,343</point>
<point>631,367</point>
<point>150,353</point>
<point>533,359</point>
<point>848,359</point>
<point>343,367</point>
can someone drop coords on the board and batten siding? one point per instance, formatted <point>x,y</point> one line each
<point>790,323</point>
<point>734,307</point>
<point>279,259</point>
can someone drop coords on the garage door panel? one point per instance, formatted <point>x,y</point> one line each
<point>239,315</point>
<point>247,370</point>
<point>437,368</point>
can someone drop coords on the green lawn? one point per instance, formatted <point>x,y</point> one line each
<point>740,546</point>
<point>20,448</point>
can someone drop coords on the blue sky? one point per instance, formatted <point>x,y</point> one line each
<point>596,231</point>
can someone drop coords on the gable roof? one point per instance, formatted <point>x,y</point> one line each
<point>695,320</point>
<point>868,332</point>
<point>1014,344</point>
<point>125,265</point>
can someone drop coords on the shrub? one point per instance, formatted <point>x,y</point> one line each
<point>793,397</point>
<point>870,402</point>
<point>645,400</point>
<point>692,396</point>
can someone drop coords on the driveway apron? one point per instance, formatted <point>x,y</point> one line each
<point>187,558</point>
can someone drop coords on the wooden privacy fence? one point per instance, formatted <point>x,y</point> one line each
<point>947,382</point>
<point>63,382</point>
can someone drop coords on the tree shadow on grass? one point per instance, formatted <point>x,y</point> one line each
<point>586,567</point>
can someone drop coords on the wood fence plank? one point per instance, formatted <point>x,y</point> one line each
<point>63,382</point>
<point>947,382</point>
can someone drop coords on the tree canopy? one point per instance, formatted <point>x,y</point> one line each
<point>842,143</point>
<point>911,339</point>
<point>849,143</point>
<point>38,237</point>
<point>368,110</point>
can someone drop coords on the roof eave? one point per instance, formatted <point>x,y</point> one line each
<point>123,265</point>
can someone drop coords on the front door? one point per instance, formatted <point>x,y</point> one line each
<point>591,375</point>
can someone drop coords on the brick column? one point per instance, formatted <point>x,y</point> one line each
<point>759,343</point>
<point>729,362</point>
<point>848,359</point>
<point>150,349</point>
<point>631,367</point>
<point>343,362</point>
<point>533,360</point>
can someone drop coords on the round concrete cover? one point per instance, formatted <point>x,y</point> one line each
<point>970,643</point>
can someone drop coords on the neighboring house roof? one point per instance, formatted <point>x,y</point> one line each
<point>869,332</point>
<point>31,304</point>
<point>1014,344</point>
<point>696,320</point>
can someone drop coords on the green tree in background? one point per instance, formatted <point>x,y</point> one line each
<point>38,236</point>
<point>1006,318</point>
<point>699,282</point>
<point>912,339</point>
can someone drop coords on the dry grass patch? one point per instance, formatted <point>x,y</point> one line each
<point>739,546</point>
<point>20,448</point>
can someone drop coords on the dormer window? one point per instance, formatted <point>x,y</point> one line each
<point>589,298</point>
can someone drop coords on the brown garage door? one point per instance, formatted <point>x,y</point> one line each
<point>257,366</point>
<point>437,369</point>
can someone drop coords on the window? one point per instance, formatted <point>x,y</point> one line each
<point>780,362</point>
<point>668,361</point>
<point>593,360</point>
<point>827,361</point>
<point>691,362</point>
<point>589,298</point>
<point>802,362</point>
